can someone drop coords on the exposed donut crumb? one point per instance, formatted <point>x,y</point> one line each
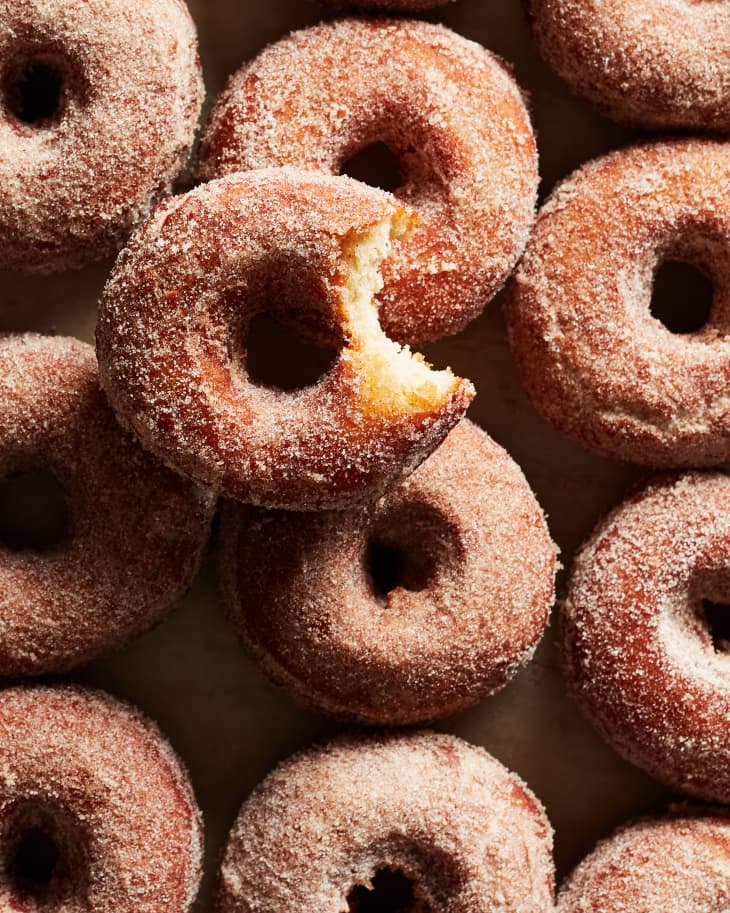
<point>171,339</point>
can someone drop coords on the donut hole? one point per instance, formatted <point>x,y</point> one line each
<point>716,617</point>
<point>277,355</point>
<point>682,297</point>
<point>34,90</point>
<point>407,550</point>
<point>33,511</point>
<point>392,892</point>
<point>44,855</point>
<point>376,165</point>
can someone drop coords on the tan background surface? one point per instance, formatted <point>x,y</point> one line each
<point>223,717</point>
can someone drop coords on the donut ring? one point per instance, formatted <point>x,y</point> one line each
<point>99,102</point>
<point>136,532</point>
<point>462,832</point>
<point>464,613</point>
<point>639,651</point>
<point>93,787</point>
<point>678,862</point>
<point>592,358</point>
<point>171,343</point>
<point>451,113</point>
<point>663,64</point>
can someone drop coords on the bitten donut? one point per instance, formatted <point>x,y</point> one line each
<point>592,357</point>
<point>413,607</point>
<point>135,531</point>
<point>422,817</point>
<point>663,64</point>
<point>172,335</point>
<point>99,102</point>
<point>447,108</point>
<point>677,864</point>
<point>96,811</point>
<point>645,653</point>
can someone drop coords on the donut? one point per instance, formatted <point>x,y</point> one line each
<point>679,862</point>
<point>407,609</point>
<point>99,103</point>
<point>663,64</point>
<point>645,654</point>
<point>96,811</point>
<point>172,332</point>
<point>450,112</point>
<point>420,815</point>
<point>135,532</point>
<point>593,359</point>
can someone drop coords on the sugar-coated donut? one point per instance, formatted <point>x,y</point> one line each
<point>452,827</point>
<point>447,108</point>
<point>641,655</point>
<point>96,811</point>
<point>135,532</point>
<point>662,64</point>
<point>99,102</point>
<point>468,567</point>
<point>172,333</point>
<point>592,357</point>
<point>679,863</point>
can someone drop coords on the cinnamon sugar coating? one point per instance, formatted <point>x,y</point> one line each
<point>468,833</point>
<point>464,611</point>
<point>96,784</point>
<point>447,108</point>
<point>662,64</point>
<point>172,329</point>
<point>129,91</point>
<point>641,655</point>
<point>135,533</point>
<point>679,863</point>
<point>592,358</point>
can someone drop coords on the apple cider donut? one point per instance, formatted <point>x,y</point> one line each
<point>592,358</point>
<point>663,64</point>
<point>645,631</point>
<point>135,532</point>
<point>172,335</point>
<point>679,863</point>
<point>450,112</point>
<point>423,814</point>
<point>96,811</point>
<point>410,608</point>
<point>99,102</point>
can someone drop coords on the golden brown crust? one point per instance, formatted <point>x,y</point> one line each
<point>639,653</point>
<point>172,330</point>
<point>136,533</point>
<point>467,832</point>
<point>73,187</point>
<point>102,783</point>
<point>679,863</point>
<point>592,358</point>
<point>298,589</point>
<point>449,110</point>
<point>663,64</point>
